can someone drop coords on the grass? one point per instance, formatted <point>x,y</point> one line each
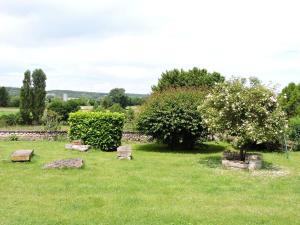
<point>8,110</point>
<point>158,187</point>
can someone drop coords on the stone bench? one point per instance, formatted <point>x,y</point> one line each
<point>124,152</point>
<point>21,155</point>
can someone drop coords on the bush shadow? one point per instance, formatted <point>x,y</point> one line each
<point>269,166</point>
<point>211,161</point>
<point>198,149</point>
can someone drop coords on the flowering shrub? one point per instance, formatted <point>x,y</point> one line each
<point>249,112</point>
<point>172,117</point>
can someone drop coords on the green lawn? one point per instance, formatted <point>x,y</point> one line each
<point>8,110</point>
<point>157,187</point>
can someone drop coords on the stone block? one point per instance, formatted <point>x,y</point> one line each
<point>124,152</point>
<point>77,142</point>
<point>234,164</point>
<point>21,155</point>
<point>65,163</point>
<point>81,148</point>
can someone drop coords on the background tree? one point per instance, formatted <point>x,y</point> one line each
<point>106,102</point>
<point>133,101</point>
<point>192,78</point>
<point>172,117</point>
<point>4,97</point>
<point>117,95</point>
<point>62,108</point>
<point>39,94</point>
<point>14,101</point>
<point>248,112</point>
<point>289,99</point>
<point>26,98</point>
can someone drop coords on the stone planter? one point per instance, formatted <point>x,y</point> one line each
<point>252,162</point>
<point>234,164</point>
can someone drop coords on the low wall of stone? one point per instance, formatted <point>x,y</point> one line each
<point>134,136</point>
<point>32,135</point>
<point>56,135</point>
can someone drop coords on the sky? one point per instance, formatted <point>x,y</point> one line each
<point>99,45</point>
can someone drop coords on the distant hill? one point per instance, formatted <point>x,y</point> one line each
<point>75,94</point>
<point>71,94</point>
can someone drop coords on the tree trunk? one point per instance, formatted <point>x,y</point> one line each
<point>242,154</point>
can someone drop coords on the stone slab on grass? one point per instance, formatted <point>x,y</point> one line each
<point>81,148</point>
<point>235,164</point>
<point>77,142</point>
<point>124,152</point>
<point>21,155</point>
<point>76,163</point>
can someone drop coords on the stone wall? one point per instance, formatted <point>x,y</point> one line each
<point>44,135</point>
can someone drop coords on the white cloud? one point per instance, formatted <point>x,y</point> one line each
<point>98,45</point>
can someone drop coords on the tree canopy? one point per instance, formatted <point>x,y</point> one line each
<point>191,78</point>
<point>249,112</point>
<point>289,99</point>
<point>171,117</point>
<point>4,97</point>
<point>33,96</point>
<point>26,98</point>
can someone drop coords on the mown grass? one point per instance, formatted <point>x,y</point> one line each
<point>159,186</point>
<point>8,110</point>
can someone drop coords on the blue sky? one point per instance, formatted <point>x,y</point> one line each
<point>98,45</point>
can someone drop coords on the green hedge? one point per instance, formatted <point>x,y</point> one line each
<point>99,129</point>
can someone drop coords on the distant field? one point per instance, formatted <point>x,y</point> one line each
<point>8,110</point>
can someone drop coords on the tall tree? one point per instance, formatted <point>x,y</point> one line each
<point>192,78</point>
<point>117,95</point>
<point>26,98</point>
<point>4,97</point>
<point>39,94</point>
<point>289,99</point>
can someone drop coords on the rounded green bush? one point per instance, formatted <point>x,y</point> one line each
<point>172,117</point>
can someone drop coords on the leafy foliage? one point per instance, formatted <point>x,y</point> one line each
<point>133,101</point>
<point>10,119</point>
<point>172,117</point>
<point>118,96</point>
<point>51,120</point>
<point>249,112</point>
<point>192,78</point>
<point>116,107</point>
<point>14,101</point>
<point>99,129</point>
<point>64,108</point>
<point>289,99</point>
<point>38,94</point>
<point>294,132</point>
<point>4,97</point>
<point>26,98</point>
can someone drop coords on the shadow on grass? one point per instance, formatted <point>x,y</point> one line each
<point>216,162</point>
<point>269,166</point>
<point>211,161</point>
<point>199,149</point>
